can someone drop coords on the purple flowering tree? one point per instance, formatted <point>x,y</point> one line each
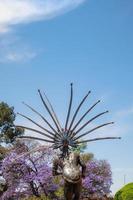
<point>98,178</point>
<point>28,173</point>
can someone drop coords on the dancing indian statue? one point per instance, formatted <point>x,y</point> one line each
<point>65,139</point>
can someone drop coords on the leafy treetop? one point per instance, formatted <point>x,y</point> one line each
<point>8,131</point>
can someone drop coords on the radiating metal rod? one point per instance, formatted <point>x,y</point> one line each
<point>57,146</point>
<point>36,138</point>
<point>40,116</point>
<point>69,108</point>
<point>76,112</point>
<point>92,119</point>
<point>36,124</point>
<point>95,139</point>
<point>85,115</point>
<point>37,131</point>
<point>45,105</point>
<point>52,109</point>
<point>100,126</point>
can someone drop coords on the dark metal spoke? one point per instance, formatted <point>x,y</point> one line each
<point>36,124</point>
<point>92,119</point>
<point>76,112</point>
<point>57,146</point>
<point>52,109</point>
<point>40,116</point>
<point>36,138</point>
<point>69,108</point>
<point>85,115</point>
<point>86,133</point>
<point>37,131</point>
<point>95,139</point>
<point>45,105</point>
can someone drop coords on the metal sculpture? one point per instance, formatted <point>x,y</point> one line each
<point>65,138</point>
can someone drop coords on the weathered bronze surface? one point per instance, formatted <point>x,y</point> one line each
<point>72,169</point>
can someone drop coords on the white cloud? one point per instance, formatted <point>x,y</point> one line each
<point>17,57</point>
<point>13,50</point>
<point>124,113</point>
<point>14,12</point>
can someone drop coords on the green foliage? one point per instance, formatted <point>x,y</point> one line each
<point>3,186</point>
<point>3,152</point>
<point>8,131</point>
<point>57,179</point>
<point>37,198</point>
<point>7,114</point>
<point>126,193</point>
<point>80,148</point>
<point>87,157</point>
<point>60,192</point>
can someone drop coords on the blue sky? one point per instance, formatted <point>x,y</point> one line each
<point>48,44</point>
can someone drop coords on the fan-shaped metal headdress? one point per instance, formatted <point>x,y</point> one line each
<point>65,137</point>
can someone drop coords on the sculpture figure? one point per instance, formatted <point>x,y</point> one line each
<point>65,138</point>
<point>72,174</point>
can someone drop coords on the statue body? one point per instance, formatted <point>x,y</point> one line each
<point>70,168</point>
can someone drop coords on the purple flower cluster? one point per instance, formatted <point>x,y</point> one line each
<point>98,177</point>
<point>28,173</point>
